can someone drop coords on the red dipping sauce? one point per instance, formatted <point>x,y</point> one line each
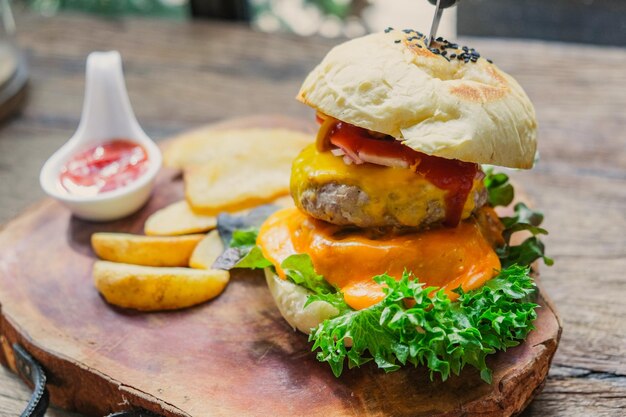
<point>104,167</point>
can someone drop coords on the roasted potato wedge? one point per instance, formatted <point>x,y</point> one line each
<point>178,219</point>
<point>207,251</point>
<point>239,146</point>
<point>231,170</point>
<point>148,288</point>
<point>223,186</point>
<point>145,250</point>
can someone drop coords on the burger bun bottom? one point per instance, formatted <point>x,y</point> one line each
<point>291,298</point>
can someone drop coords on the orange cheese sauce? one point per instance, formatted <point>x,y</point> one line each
<point>446,258</point>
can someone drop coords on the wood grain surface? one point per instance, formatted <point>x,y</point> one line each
<point>233,356</point>
<point>181,75</point>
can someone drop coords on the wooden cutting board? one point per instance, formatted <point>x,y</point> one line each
<point>233,356</point>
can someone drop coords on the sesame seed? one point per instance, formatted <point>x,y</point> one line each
<point>468,54</point>
<point>490,61</point>
<point>389,29</point>
<point>397,41</point>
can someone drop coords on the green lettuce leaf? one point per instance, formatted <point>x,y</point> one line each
<point>299,269</point>
<point>432,330</point>
<point>530,249</point>
<point>524,219</point>
<point>501,193</point>
<point>249,255</point>
<point>253,259</point>
<point>523,254</point>
<point>243,238</point>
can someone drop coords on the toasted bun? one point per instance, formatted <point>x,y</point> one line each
<point>391,83</point>
<point>291,298</point>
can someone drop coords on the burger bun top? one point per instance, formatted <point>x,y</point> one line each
<point>437,104</point>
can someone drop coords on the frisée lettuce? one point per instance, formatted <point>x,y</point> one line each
<point>419,325</point>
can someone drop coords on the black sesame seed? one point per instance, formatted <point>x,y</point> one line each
<point>439,39</point>
<point>444,52</point>
<point>490,61</point>
<point>389,29</point>
<point>407,30</point>
<point>452,55</point>
<point>397,41</point>
<point>465,48</point>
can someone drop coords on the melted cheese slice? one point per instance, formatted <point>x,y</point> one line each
<point>446,258</point>
<point>396,192</point>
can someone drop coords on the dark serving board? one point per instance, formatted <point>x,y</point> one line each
<point>233,356</point>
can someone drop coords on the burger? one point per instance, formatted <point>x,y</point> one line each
<point>394,252</point>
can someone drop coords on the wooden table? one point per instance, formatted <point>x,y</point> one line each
<point>182,75</point>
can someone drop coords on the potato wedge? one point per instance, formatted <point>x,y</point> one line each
<point>145,250</point>
<point>207,251</point>
<point>178,219</point>
<point>224,186</point>
<point>231,170</point>
<point>148,288</point>
<point>207,145</point>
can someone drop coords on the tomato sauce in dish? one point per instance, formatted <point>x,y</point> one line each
<point>104,167</point>
<point>454,176</point>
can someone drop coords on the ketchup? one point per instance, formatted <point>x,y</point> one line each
<point>457,177</point>
<point>360,140</point>
<point>454,176</point>
<point>105,167</point>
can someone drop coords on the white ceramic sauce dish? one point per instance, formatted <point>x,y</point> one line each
<point>106,115</point>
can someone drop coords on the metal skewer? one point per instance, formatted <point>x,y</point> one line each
<point>440,5</point>
<point>435,24</point>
